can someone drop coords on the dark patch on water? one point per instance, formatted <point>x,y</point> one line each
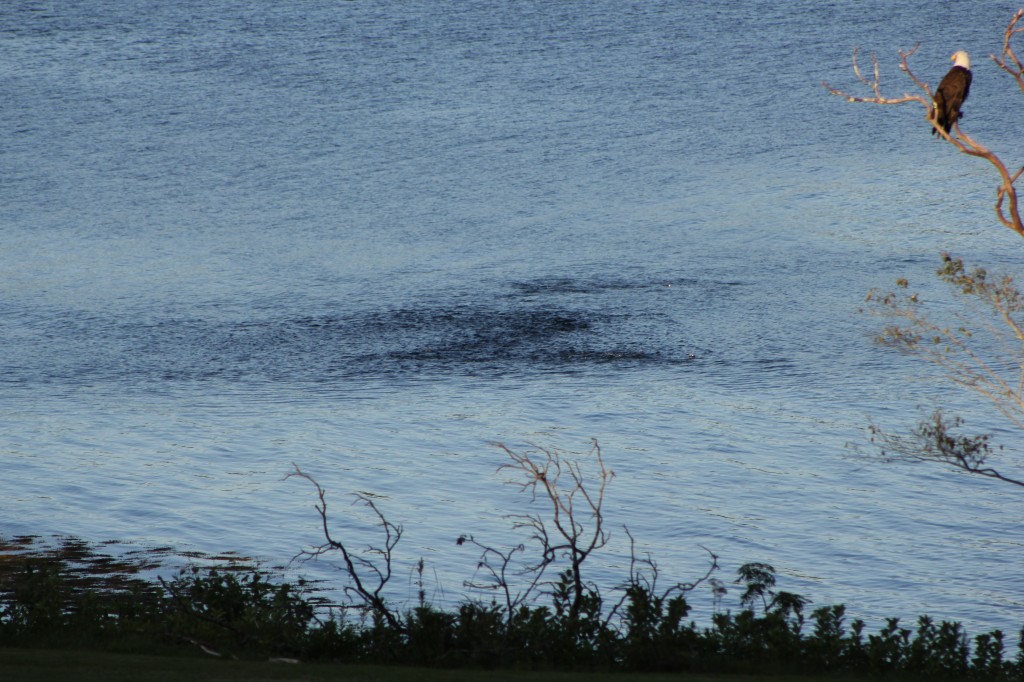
<point>599,285</point>
<point>518,337</point>
<point>387,343</point>
<point>548,325</point>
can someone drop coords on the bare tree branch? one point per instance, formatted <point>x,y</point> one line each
<point>1006,205</point>
<point>1007,59</point>
<point>875,85</point>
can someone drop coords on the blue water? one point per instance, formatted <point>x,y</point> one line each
<point>370,239</point>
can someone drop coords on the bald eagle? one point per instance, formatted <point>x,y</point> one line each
<point>952,92</point>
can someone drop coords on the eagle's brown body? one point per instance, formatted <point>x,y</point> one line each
<point>952,92</point>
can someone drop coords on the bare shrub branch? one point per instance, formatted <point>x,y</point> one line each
<point>498,574</point>
<point>643,572</point>
<point>369,576</point>
<point>644,575</point>
<point>575,510</point>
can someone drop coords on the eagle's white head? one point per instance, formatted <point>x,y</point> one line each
<point>960,58</point>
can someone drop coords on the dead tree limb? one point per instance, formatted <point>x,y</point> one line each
<point>979,346</point>
<point>1006,206</point>
<point>1007,59</point>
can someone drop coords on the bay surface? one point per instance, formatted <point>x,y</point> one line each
<point>370,239</point>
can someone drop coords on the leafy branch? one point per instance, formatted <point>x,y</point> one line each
<point>934,441</point>
<point>952,343</point>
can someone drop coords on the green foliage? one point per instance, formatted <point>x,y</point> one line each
<point>46,601</point>
<point>429,636</point>
<point>577,628</point>
<point>68,594</point>
<point>480,634</point>
<point>654,635</point>
<point>243,611</point>
<point>759,579</point>
<point>829,647</point>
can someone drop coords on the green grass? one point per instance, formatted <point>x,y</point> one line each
<point>46,665</point>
